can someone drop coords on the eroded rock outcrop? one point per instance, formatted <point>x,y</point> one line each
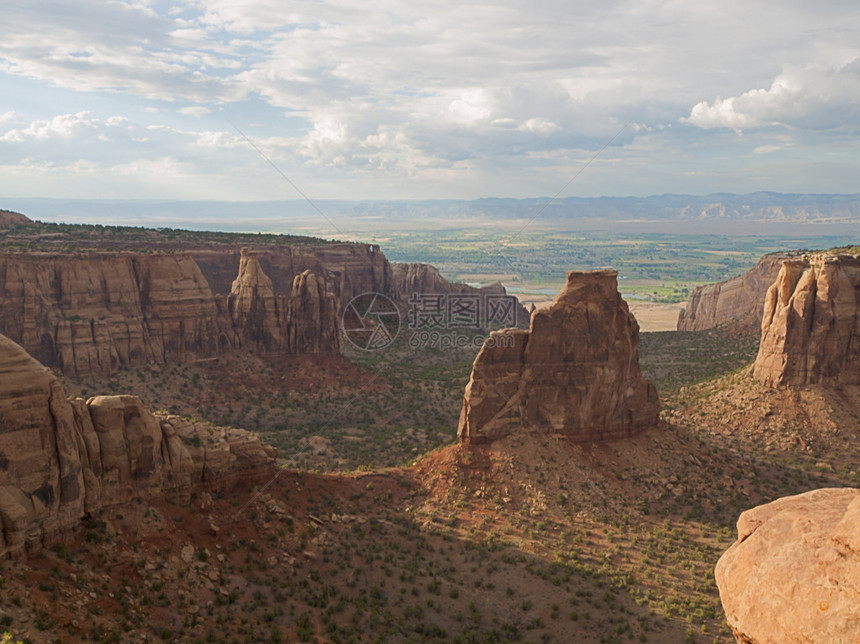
<point>313,319</point>
<point>738,302</point>
<point>575,372</point>
<point>811,323</point>
<point>61,460</point>
<point>410,279</point>
<point>305,321</point>
<point>88,313</point>
<point>792,575</point>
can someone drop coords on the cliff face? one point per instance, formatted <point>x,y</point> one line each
<point>424,278</point>
<point>88,314</point>
<point>352,268</point>
<point>738,301</point>
<point>305,321</point>
<point>575,372</point>
<point>61,460</point>
<point>313,321</point>
<point>792,575</point>
<point>811,323</point>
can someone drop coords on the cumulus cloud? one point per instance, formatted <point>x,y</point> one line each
<point>809,97</point>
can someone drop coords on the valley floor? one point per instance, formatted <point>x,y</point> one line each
<point>530,539</point>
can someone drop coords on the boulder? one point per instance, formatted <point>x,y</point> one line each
<point>575,372</point>
<point>793,573</point>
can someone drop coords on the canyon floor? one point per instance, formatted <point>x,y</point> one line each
<point>530,539</point>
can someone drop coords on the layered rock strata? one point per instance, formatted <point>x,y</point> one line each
<point>792,575</point>
<point>409,279</point>
<point>90,313</point>
<point>305,321</point>
<point>575,372</point>
<point>810,327</point>
<point>738,302</point>
<point>62,460</point>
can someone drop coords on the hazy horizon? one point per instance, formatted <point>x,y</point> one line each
<point>728,214</point>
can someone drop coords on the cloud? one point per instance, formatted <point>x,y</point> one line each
<point>195,110</point>
<point>810,97</point>
<point>347,93</point>
<point>63,126</point>
<point>766,149</point>
<point>93,46</point>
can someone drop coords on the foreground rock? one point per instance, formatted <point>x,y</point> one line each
<point>792,575</point>
<point>738,302</point>
<point>62,460</point>
<point>811,323</point>
<point>574,373</point>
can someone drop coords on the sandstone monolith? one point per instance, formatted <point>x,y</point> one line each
<point>575,372</point>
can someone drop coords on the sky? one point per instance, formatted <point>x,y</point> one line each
<point>248,100</point>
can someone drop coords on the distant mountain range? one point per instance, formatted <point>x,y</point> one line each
<point>721,213</point>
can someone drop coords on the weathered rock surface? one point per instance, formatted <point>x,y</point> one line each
<point>811,323</point>
<point>738,302</point>
<point>313,320</point>
<point>61,460</point>
<point>409,279</point>
<point>792,575</point>
<point>90,313</point>
<point>574,373</point>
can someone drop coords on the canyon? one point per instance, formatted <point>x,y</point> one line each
<point>567,482</point>
<point>110,304</point>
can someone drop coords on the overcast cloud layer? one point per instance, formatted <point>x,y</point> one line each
<point>144,99</point>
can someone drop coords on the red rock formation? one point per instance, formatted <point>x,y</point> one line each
<point>792,575</point>
<point>409,279</point>
<point>257,313</point>
<point>351,268</point>
<point>313,320</point>
<point>738,302</point>
<point>304,322</point>
<point>61,460</point>
<point>811,323</point>
<point>88,314</point>
<point>575,372</point>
